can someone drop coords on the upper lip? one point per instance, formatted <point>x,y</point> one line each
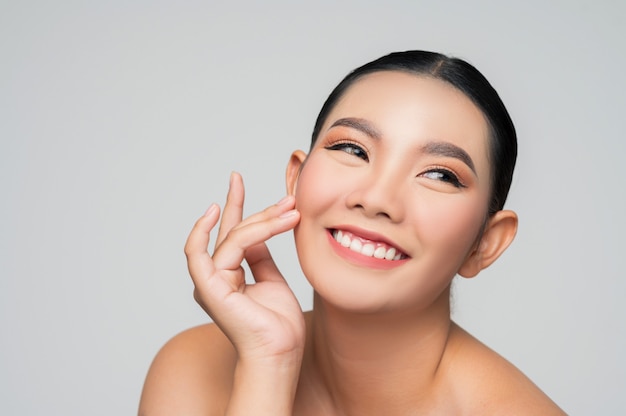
<point>369,235</point>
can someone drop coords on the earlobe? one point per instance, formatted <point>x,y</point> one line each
<point>294,167</point>
<point>497,236</point>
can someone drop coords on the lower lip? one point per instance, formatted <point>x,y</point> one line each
<point>359,259</point>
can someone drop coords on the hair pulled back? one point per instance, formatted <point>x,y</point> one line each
<point>467,79</point>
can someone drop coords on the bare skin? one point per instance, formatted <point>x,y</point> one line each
<point>379,339</point>
<point>350,365</point>
<point>193,375</point>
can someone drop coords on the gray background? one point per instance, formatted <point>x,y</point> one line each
<point>121,121</point>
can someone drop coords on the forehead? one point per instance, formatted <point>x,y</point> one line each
<point>415,108</point>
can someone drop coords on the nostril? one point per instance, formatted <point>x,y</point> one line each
<point>377,214</point>
<point>384,214</point>
<point>373,203</point>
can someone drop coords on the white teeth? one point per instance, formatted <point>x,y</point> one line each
<point>356,245</point>
<point>366,249</point>
<point>379,253</point>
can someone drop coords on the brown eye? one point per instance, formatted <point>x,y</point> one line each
<point>351,149</point>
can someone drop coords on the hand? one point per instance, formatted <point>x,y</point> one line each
<point>262,320</point>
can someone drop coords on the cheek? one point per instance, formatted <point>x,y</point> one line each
<point>312,200</point>
<point>316,190</point>
<point>451,224</point>
<point>315,195</point>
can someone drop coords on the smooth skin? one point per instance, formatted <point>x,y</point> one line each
<point>377,341</point>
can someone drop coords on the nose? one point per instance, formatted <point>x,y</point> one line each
<point>378,195</point>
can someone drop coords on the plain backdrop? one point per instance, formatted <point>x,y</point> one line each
<point>120,122</point>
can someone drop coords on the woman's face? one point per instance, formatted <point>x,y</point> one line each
<point>394,193</point>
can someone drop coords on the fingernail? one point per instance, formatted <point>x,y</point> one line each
<point>210,210</point>
<point>289,213</point>
<point>284,200</point>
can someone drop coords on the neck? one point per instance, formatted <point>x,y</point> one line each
<point>360,361</point>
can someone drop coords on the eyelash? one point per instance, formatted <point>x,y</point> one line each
<point>447,176</point>
<point>444,175</point>
<point>350,148</point>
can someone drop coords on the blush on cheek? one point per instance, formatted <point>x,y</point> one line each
<point>316,186</point>
<point>453,227</point>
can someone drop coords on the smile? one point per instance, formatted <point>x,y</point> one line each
<point>367,248</point>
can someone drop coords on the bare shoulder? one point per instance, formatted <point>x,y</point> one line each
<point>486,383</point>
<point>192,374</point>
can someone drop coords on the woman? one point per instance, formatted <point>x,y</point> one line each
<point>403,188</point>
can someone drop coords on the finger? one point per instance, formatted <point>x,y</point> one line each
<point>262,264</point>
<point>199,261</point>
<point>233,210</point>
<point>231,252</point>
<point>272,211</point>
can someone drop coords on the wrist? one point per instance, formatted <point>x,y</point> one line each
<point>278,365</point>
<point>265,386</point>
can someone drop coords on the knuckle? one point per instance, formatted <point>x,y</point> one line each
<point>189,252</point>
<point>234,234</point>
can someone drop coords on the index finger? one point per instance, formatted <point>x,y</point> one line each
<point>233,209</point>
<point>199,261</point>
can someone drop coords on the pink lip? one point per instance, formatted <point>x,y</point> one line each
<point>359,259</point>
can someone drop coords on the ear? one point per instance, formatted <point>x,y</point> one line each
<point>497,236</point>
<point>296,161</point>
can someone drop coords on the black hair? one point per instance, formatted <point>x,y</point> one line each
<point>467,79</point>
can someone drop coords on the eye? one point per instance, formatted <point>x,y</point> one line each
<point>351,149</point>
<point>444,175</point>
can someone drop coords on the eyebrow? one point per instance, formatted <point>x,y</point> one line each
<point>435,148</point>
<point>446,149</point>
<point>360,124</point>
